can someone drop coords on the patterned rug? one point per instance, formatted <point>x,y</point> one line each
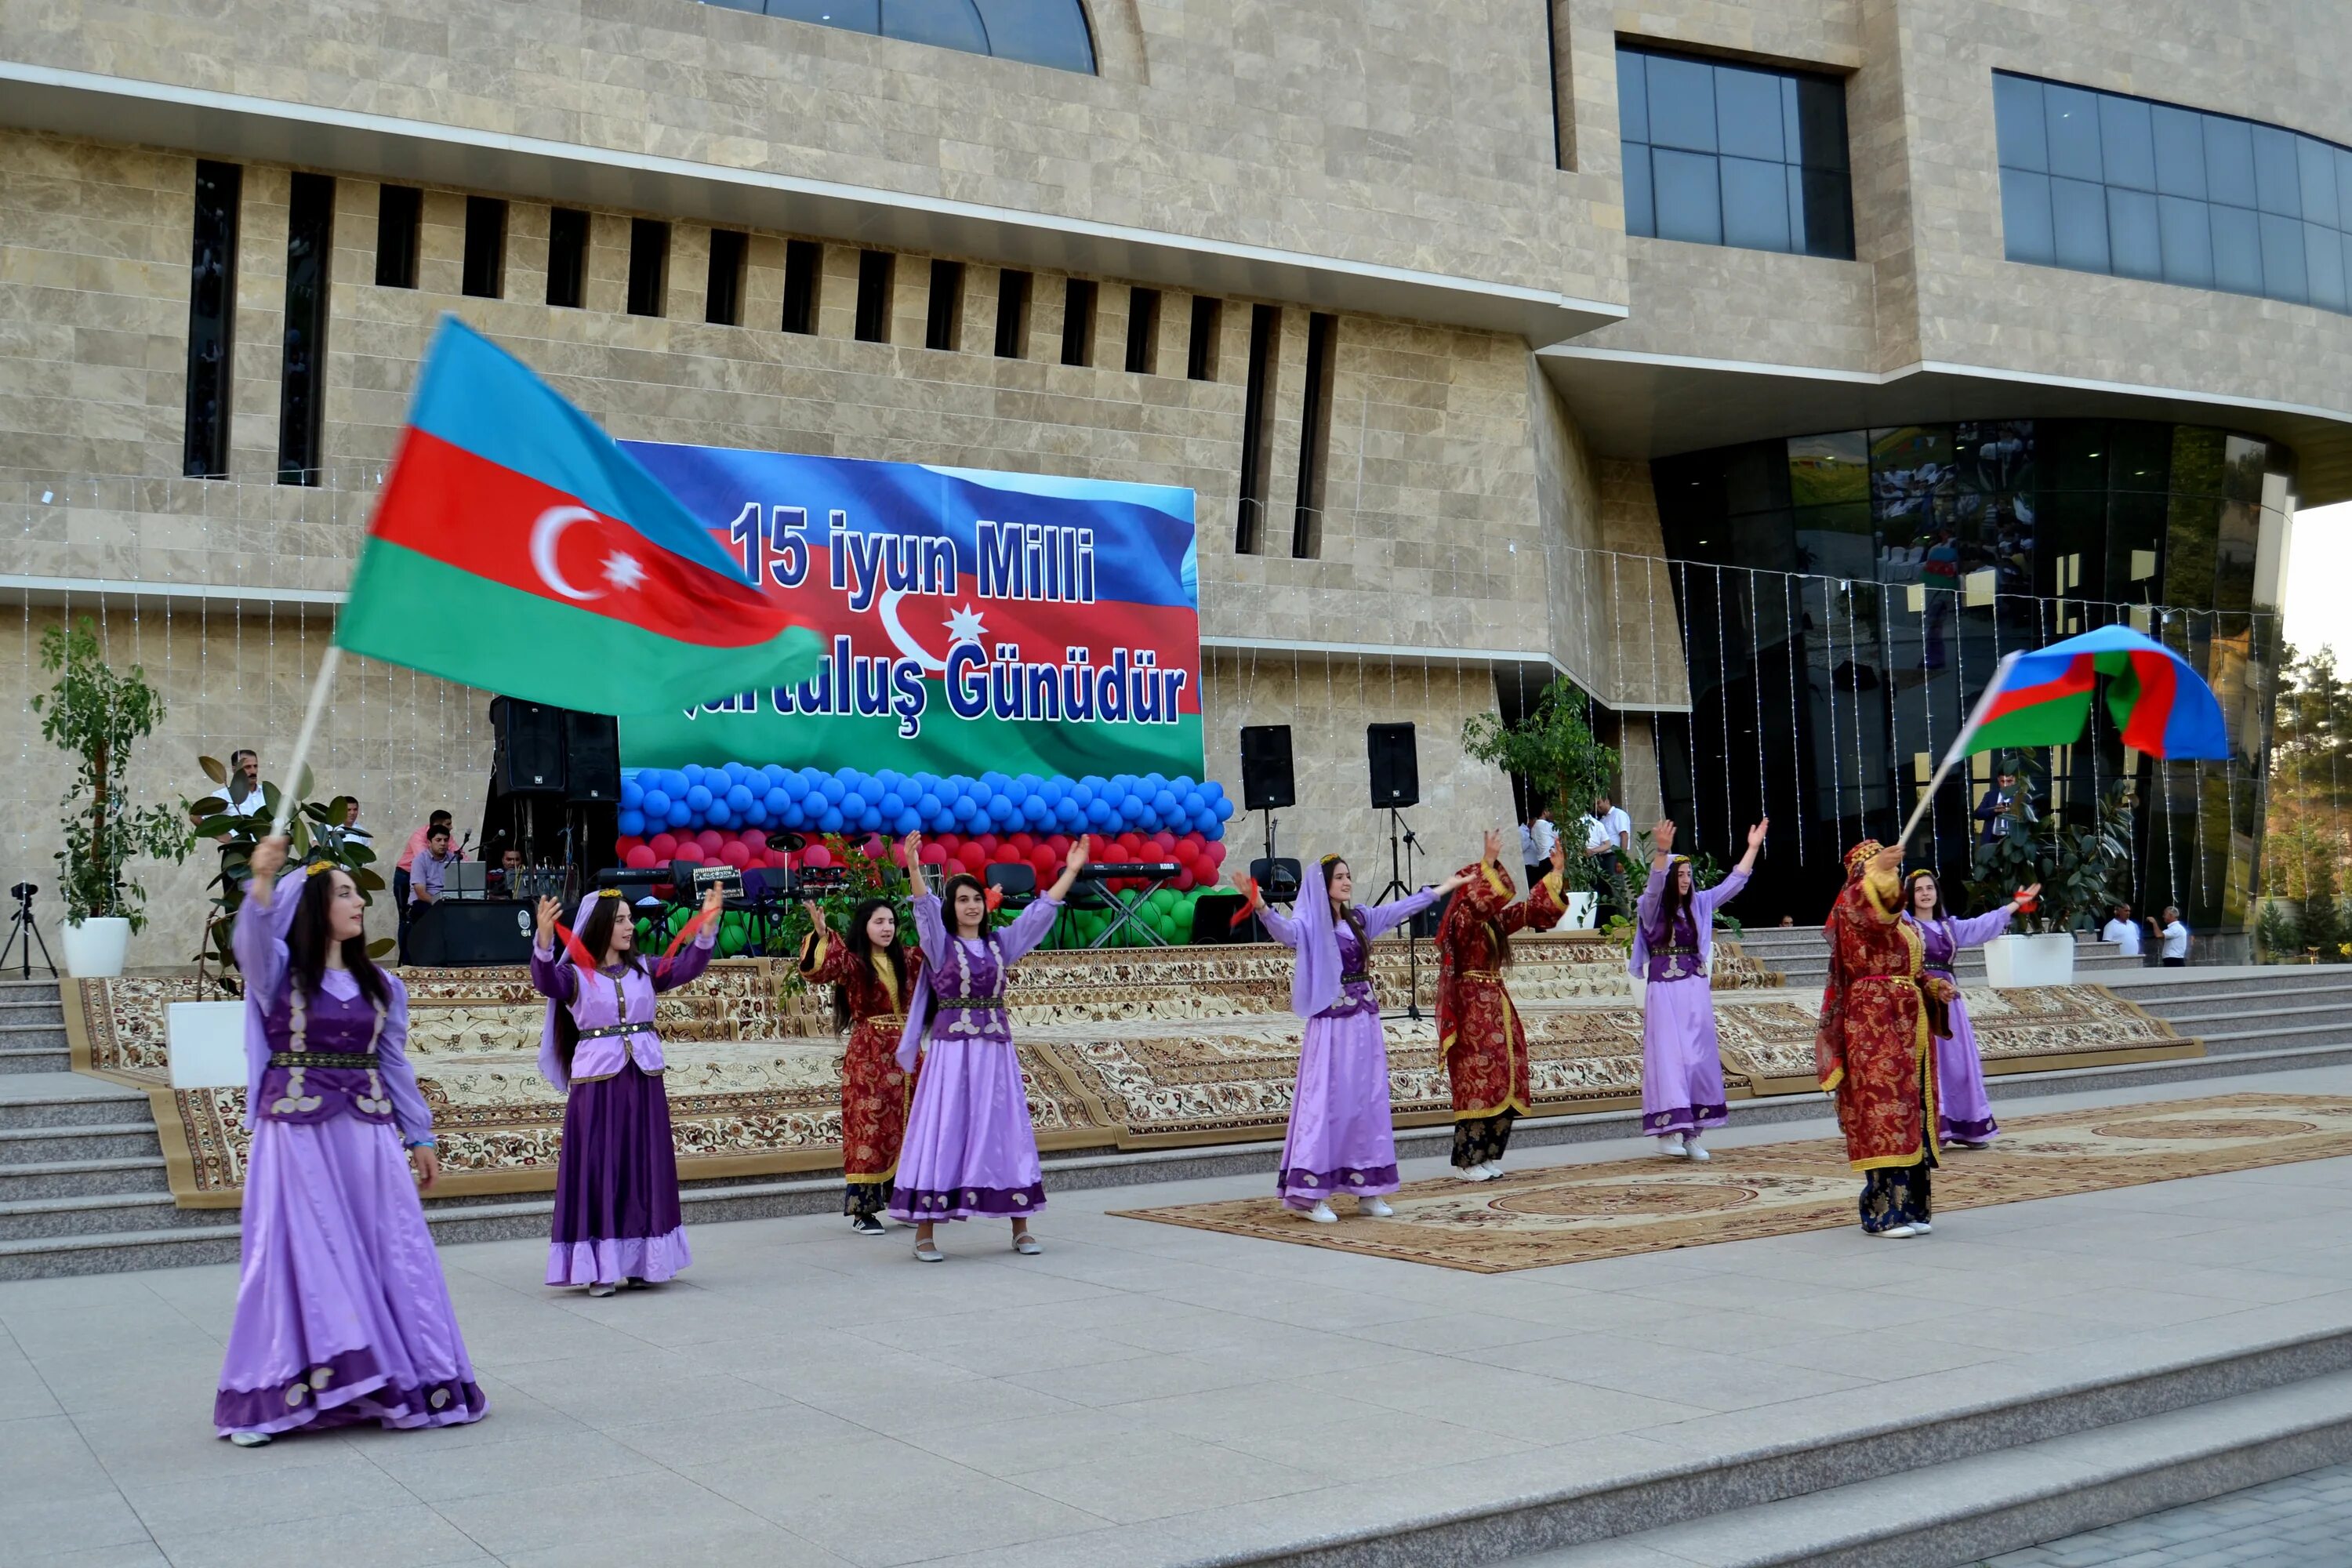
<point>1573,1213</point>
<point>1122,1050</point>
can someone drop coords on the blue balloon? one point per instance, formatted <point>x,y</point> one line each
<point>633,793</point>
<point>773,772</point>
<point>1184,785</point>
<point>1130,810</point>
<point>1002,811</point>
<point>965,808</point>
<point>739,797</point>
<point>830,822</point>
<point>1083,793</point>
<point>1164,803</point>
<point>681,815</point>
<point>927,805</point>
<point>853,804</point>
<point>1098,814</point>
<point>718,816</point>
<point>632,822</point>
<point>1224,809</point>
<point>833,790</point>
<point>995,782</point>
<point>1056,789</point>
<point>698,797</point>
<point>694,772</point>
<point>870,820</point>
<point>1036,811</point>
<point>776,801</point>
<point>656,804</point>
<point>795,817</point>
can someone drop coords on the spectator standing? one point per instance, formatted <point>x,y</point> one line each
<point>1527,856</point>
<point>1992,810</point>
<point>2175,951</point>
<point>243,791</point>
<point>2123,931</point>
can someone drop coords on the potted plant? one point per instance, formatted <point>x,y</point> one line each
<point>2077,866</point>
<point>97,713</point>
<point>1554,749</point>
<point>315,831</point>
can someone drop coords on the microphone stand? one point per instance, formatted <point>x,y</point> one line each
<point>1402,844</point>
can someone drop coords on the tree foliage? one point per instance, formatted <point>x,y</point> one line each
<point>97,713</point>
<point>2308,829</point>
<point>316,833</point>
<point>1554,749</point>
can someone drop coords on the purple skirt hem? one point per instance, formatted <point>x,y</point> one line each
<point>1305,1189</point>
<point>1685,1119</point>
<point>348,1388</point>
<point>611,1259</point>
<point>920,1206</point>
<point>1950,1131</point>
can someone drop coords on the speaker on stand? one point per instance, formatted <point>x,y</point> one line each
<point>1268,781</point>
<point>592,769</point>
<point>1395,767</point>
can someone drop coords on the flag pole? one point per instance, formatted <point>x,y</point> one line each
<point>1958,747</point>
<point>321,685</point>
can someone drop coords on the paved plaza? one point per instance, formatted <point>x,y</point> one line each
<point>1141,1394</point>
<point>2302,1521</point>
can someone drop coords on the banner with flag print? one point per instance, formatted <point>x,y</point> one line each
<point>968,622</point>
<point>517,548</point>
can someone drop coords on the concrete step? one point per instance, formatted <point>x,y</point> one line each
<point>1964,1511</point>
<point>35,1059</point>
<point>29,1100</point>
<point>104,1139</point>
<point>2265,1035</point>
<point>20,1011</point>
<point>2288,1009</point>
<point>89,1175</point>
<point>116,1252</point>
<point>86,1214</point>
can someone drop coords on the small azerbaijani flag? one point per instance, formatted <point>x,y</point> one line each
<point>517,548</point>
<point>2161,705</point>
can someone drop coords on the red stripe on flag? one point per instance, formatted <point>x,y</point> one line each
<point>2080,676</point>
<point>2152,712</point>
<point>468,512</point>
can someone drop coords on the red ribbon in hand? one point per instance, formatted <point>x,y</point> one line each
<point>992,898</point>
<point>571,945</point>
<point>1251,902</point>
<point>2026,906</point>
<point>686,933</point>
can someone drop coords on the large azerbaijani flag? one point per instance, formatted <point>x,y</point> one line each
<point>517,548</point>
<point>2161,705</point>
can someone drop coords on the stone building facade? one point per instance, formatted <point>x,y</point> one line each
<point>1446,184</point>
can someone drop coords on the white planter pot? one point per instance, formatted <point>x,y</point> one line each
<point>94,949</point>
<point>1581,908</point>
<point>2013,963</point>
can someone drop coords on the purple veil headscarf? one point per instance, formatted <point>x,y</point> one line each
<point>550,1060</point>
<point>1315,984</point>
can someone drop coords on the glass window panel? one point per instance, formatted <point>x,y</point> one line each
<point>2244,461</point>
<point>2070,535</point>
<point>948,24</point>
<point>2139,455</point>
<point>2278,185</point>
<point>1829,470</point>
<point>2078,213</point>
<point>2187,233</point>
<point>2322,262</point>
<point>2343,188</point>
<point>2025,217</point>
<point>1754,204</point>
<point>2237,250</point>
<point>2315,164</point>
<point>1792,135</point>
<point>2126,142</point>
<point>2180,151</point>
<point>1041,32</point>
<point>2072,453</point>
<point>1828,210</point>
<point>2229,160</point>
<point>2132,240</point>
<point>2017,123</point>
<point>850,15</point>
<point>2136,529</point>
<point>2284,276</point>
<point>2072,117</point>
<point>1682,106</point>
<point>1683,186</point>
<point>1820,122</point>
<point>1633,97</point>
<point>1639,216</point>
<point>1748,115</point>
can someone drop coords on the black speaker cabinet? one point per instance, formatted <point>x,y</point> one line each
<point>1267,782</point>
<point>1396,767</point>
<point>528,758</point>
<point>592,758</point>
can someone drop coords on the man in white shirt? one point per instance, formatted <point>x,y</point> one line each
<point>2123,931</point>
<point>1607,841</point>
<point>1614,818</point>
<point>1544,834</point>
<point>243,791</point>
<point>2175,952</point>
<point>1528,859</point>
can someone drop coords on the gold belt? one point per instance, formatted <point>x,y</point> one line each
<point>1481,975</point>
<point>898,1019</point>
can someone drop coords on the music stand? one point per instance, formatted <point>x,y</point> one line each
<point>1400,840</point>
<point>23,929</point>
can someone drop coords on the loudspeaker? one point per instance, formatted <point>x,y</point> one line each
<point>591,757</point>
<point>527,757</point>
<point>1396,767</point>
<point>1267,782</point>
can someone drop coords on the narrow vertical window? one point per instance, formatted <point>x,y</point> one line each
<point>1257,417</point>
<point>875,271</point>
<point>804,263</point>
<point>1142,331</point>
<point>1012,314</point>
<point>302,371</point>
<point>649,266</point>
<point>943,326</point>
<point>1562,137</point>
<point>399,214</point>
<point>567,258</point>
<point>212,316</point>
<point>1314,435</point>
<point>1201,355</point>
<point>485,247</point>
<point>1079,321</point>
<point>722,303</point>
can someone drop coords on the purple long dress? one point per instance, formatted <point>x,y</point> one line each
<point>1342,1136</point>
<point>1963,1110</point>
<point>341,1313</point>
<point>616,1212</point>
<point>1682,1071</point>
<point>970,1150</point>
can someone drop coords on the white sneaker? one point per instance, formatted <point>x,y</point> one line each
<point>603,1288</point>
<point>1899,1230</point>
<point>1695,1152</point>
<point>1473,1173</point>
<point>1493,1168</point>
<point>1320,1213</point>
<point>1921,1227</point>
<point>1376,1207</point>
<point>1673,1148</point>
<point>250,1439</point>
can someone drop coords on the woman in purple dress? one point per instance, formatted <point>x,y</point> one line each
<point>970,1148</point>
<point>341,1313</point>
<point>1963,1111</point>
<point>1342,1137</point>
<point>616,1214</point>
<point>1673,951</point>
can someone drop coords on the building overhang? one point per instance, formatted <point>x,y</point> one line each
<point>1631,404</point>
<point>240,127</point>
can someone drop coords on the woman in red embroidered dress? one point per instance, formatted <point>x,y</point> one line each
<point>871,976</point>
<point>1484,1042</point>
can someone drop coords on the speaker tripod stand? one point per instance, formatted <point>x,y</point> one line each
<point>1402,844</point>
<point>22,929</point>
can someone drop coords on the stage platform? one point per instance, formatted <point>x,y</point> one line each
<point>1124,1051</point>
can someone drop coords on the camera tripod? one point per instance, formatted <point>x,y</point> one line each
<point>22,929</point>
<point>1402,844</point>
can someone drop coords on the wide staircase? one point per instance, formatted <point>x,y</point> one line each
<point>1802,954</point>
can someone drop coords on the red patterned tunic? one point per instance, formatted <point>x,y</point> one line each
<point>874,1090</point>
<point>1485,1043</point>
<point>1873,1051</point>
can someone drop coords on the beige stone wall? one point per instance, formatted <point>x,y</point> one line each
<point>404,743</point>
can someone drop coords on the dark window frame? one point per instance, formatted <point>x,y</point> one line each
<point>484,273</point>
<point>877,272</point>
<point>568,240</point>
<point>1142,331</point>
<point>943,310</point>
<point>722,290</point>
<point>648,267</point>
<point>1080,297</point>
<point>1014,289</point>
<point>212,319</point>
<point>803,286</point>
<point>1257,428</point>
<point>1315,435</point>
<point>1200,348</point>
<point>399,228</point>
<point>303,361</point>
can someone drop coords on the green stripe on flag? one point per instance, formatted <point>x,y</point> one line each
<point>2056,722</point>
<point>407,608</point>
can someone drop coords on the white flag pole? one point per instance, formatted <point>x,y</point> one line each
<point>1960,746</point>
<point>321,685</point>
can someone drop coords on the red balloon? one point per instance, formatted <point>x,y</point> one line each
<point>1185,883</point>
<point>934,854</point>
<point>665,846</point>
<point>1059,844</point>
<point>1005,854</point>
<point>691,853</point>
<point>987,842</point>
<point>641,858</point>
<point>628,841</point>
<point>1217,853</point>
<point>817,854</point>
<point>737,854</point>
<point>710,839</point>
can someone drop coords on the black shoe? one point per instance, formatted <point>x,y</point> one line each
<point>867,1225</point>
